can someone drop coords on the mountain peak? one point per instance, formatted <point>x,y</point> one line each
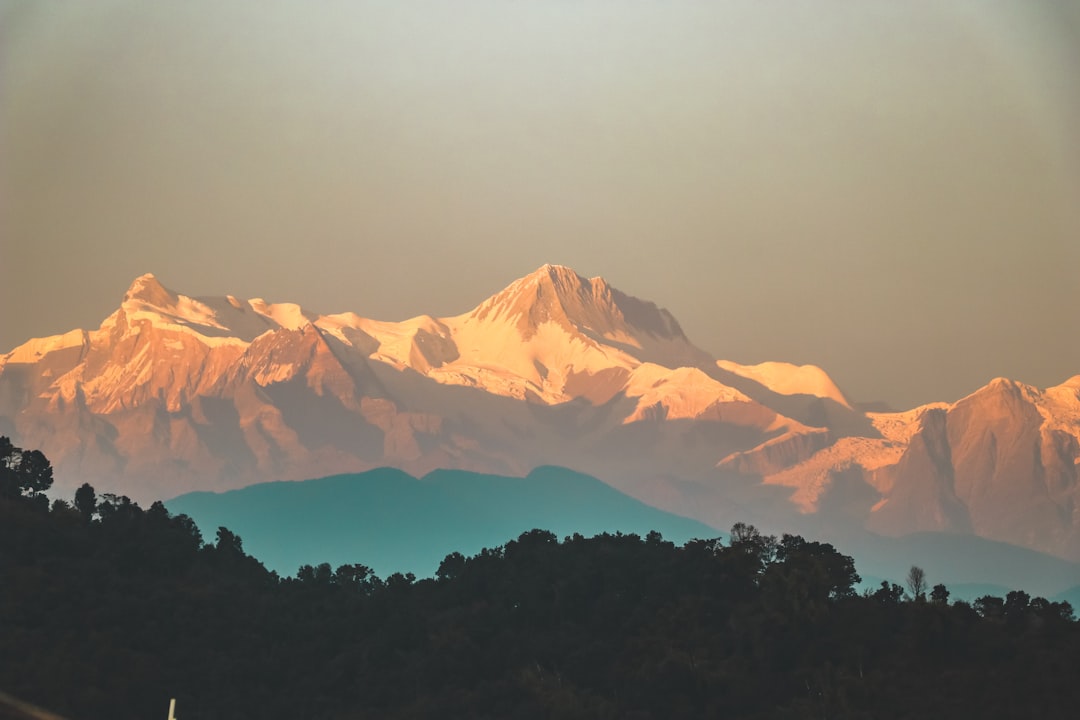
<point>558,279</point>
<point>225,318</point>
<point>550,268</point>
<point>1007,386</point>
<point>556,293</point>
<point>1073,382</point>
<point>558,274</point>
<point>147,289</point>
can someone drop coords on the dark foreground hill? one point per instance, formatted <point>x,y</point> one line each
<point>109,610</point>
<point>393,522</point>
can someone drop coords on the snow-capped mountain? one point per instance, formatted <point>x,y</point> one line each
<point>1002,463</point>
<point>173,394</point>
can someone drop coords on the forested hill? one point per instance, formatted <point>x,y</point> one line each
<point>109,610</point>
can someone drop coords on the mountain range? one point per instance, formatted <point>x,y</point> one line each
<point>173,394</point>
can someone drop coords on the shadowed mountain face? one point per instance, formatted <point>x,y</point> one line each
<point>173,394</point>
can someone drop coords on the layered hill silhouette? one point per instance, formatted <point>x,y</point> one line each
<point>173,394</point>
<point>393,522</point>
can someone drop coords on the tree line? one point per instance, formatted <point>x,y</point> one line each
<point>108,610</point>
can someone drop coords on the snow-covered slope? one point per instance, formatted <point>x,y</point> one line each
<point>788,379</point>
<point>541,338</point>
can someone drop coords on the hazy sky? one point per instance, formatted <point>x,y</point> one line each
<point>890,190</point>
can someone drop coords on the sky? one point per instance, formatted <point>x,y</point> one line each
<point>888,190</point>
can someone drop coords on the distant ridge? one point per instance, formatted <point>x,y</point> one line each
<point>960,561</point>
<point>393,522</point>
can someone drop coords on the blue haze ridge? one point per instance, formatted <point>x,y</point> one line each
<point>393,522</point>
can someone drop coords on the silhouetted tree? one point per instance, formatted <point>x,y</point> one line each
<point>531,540</point>
<point>117,508</point>
<point>399,581</point>
<point>1016,605</point>
<point>748,540</point>
<point>833,572</point>
<point>989,606</point>
<point>354,577</point>
<point>451,566</point>
<point>23,472</point>
<point>916,583</point>
<point>939,595</point>
<point>229,543</point>
<point>86,501</point>
<point>9,462</point>
<point>1047,610</point>
<point>888,594</point>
